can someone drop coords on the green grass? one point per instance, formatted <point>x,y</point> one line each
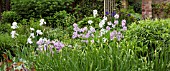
<point>112,57</point>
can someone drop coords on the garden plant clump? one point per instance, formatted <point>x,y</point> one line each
<point>60,42</point>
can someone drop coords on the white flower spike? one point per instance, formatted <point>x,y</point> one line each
<point>13,33</point>
<point>90,22</point>
<point>29,41</point>
<point>14,25</point>
<point>39,32</point>
<point>32,29</point>
<point>42,22</point>
<point>116,16</point>
<point>94,13</point>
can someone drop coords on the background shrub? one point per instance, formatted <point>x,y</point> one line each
<point>130,16</point>
<point>39,8</point>
<point>60,19</point>
<point>150,35</point>
<point>135,5</point>
<point>46,9</point>
<point>9,17</point>
<point>9,44</point>
<point>5,28</point>
<point>161,10</point>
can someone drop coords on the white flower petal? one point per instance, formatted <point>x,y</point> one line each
<point>32,29</point>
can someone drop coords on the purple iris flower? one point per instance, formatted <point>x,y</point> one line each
<point>45,47</point>
<point>92,29</point>
<point>124,28</point>
<point>75,34</point>
<point>107,13</point>
<point>108,28</point>
<point>80,35</point>
<point>77,29</point>
<point>116,22</point>
<point>113,14</point>
<point>123,23</point>
<point>40,41</point>
<point>58,45</point>
<point>113,34</point>
<point>48,42</point>
<point>87,35</point>
<point>119,36</point>
<point>75,25</point>
<point>51,49</point>
<point>128,15</point>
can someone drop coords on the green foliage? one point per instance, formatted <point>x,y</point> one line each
<point>9,44</point>
<point>150,35</point>
<point>9,17</point>
<point>56,34</point>
<point>135,5</point>
<point>61,19</point>
<point>84,22</point>
<point>54,11</point>
<point>109,56</point>
<point>161,10</point>
<point>130,16</point>
<point>86,7</point>
<point>145,46</point>
<point>39,8</point>
<point>5,28</point>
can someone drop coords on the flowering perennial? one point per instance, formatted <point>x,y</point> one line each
<point>44,45</point>
<point>104,28</point>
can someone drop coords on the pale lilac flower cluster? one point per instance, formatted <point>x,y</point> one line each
<point>114,34</point>
<point>84,33</point>
<point>110,27</point>
<point>124,25</point>
<point>44,45</point>
<point>105,27</point>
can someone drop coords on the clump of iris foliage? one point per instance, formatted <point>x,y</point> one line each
<point>108,43</point>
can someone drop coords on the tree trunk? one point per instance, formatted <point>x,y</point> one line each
<point>7,5</point>
<point>0,8</point>
<point>146,9</point>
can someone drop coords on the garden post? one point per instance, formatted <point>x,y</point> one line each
<point>125,4</point>
<point>146,9</point>
<point>109,6</point>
